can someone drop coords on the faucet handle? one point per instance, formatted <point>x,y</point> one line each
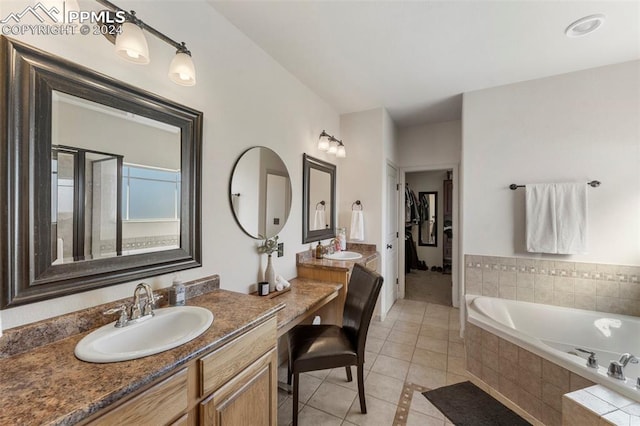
<point>122,320</point>
<point>592,362</point>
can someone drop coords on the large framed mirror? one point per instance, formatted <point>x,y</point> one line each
<point>428,226</point>
<point>260,192</point>
<point>318,199</point>
<point>103,179</point>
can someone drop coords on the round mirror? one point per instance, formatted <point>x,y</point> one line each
<point>260,192</point>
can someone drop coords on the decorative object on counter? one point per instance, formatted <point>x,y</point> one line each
<point>177,293</point>
<point>319,251</point>
<point>269,246</point>
<point>131,44</point>
<point>281,283</point>
<point>341,236</point>
<point>331,145</point>
<point>263,288</point>
<point>356,233</point>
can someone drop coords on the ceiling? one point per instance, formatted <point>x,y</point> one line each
<point>416,58</point>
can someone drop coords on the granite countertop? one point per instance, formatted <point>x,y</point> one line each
<point>368,252</point>
<point>49,385</point>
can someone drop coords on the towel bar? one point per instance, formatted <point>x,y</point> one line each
<point>322,203</point>
<point>593,184</point>
<point>356,203</point>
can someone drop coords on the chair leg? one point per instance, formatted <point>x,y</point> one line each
<point>296,380</point>
<point>363,404</point>
<point>349,377</point>
<point>289,374</point>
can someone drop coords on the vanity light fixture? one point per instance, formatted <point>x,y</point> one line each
<point>584,26</point>
<point>331,145</point>
<point>131,44</point>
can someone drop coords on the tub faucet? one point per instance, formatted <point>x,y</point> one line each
<point>616,368</point>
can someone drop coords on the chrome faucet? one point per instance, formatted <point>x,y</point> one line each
<point>616,368</point>
<point>139,310</point>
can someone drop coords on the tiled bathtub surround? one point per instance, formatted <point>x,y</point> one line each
<point>591,286</point>
<point>529,381</point>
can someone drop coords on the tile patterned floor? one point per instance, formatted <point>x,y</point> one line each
<point>416,348</point>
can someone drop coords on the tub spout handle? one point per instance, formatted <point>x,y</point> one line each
<point>592,362</point>
<point>615,370</point>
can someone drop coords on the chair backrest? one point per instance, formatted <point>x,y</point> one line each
<point>362,293</point>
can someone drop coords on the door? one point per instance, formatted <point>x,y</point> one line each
<point>391,239</point>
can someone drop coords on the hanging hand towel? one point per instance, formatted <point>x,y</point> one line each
<point>556,218</point>
<point>356,231</point>
<point>540,206</point>
<point>319,221</point>
<point>571,218</point>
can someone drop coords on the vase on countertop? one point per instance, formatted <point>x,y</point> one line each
<point>270,275</point>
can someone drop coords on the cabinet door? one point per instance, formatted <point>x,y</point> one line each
<point>249,399</point>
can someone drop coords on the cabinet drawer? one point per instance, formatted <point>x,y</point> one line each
<point>155,406</point>
<point>221,365</point>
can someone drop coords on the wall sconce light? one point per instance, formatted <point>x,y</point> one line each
<point>131,44</point>
<point>331,145</point>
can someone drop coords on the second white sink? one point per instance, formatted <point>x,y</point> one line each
<point>343,255</point>
<point>167,329</point>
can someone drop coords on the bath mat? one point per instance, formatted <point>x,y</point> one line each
<point>465,404</point>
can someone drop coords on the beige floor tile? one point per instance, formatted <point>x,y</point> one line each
<point>430,359</point>
<point>406,327</point>
<point>426,376</point>
<point>285,414</point>
<point>379,412</point>
<point>435,332</point>
<point>422,405</point>
<point>310,416</point>
<point>453,378</point>
<point>456,366</point>
<point>378,332</point>
<point>338,376</point>
<point>436,322</point>
<point>387,323</point>
<point>332,399</point>
<point>320,374</point>
<point>437,311</point>
<point>391,367</point>
<point>456,350</point>
<point>432,344</point>
<point>397,350</point>
<point>411,317</point>
<point>308,385</point>
<point>369,360</point>
<point>383,387</point>
<point>454,336</point>
<point>282,396</point>
<point>403,338</point>
<point>374,345</point>
<point>419,419</point>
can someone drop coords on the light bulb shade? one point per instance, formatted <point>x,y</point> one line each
<point>323,143</point>
<point>131,44</point>
<point>341,152</point>
<point>182,71</point>
<point>333,147</point>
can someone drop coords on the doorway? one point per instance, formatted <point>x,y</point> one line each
<point>428,231</point>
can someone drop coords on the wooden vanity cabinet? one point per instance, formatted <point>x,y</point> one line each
<point>235,384</point>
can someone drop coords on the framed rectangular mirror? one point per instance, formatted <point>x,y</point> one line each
<point>318,199</point>
<point>103,179</point>
<point>428,226</point>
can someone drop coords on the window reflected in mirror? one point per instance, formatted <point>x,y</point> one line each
<point>115,180</point>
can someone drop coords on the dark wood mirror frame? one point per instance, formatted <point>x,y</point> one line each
<point>309,163</point>
<point>29,76</point>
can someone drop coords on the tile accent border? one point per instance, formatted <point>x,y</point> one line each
<point>591,286</point>
<point>402,413</point>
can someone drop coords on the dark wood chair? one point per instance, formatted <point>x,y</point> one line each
<point>319,347</point>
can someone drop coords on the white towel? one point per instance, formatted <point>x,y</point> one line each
<point>556,218</point>
<point>356,232</point>
<point>571,217</point>
<point>319,221</point>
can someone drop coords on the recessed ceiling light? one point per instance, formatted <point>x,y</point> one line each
<point>584,26</point>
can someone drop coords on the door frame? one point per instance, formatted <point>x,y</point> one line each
<point>456,290</point>
<point>396,290</point>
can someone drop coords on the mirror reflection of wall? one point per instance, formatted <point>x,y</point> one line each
<point>426,235</point>
<point>260,192</point>
<point>320,197</point>
<point>115,182</point>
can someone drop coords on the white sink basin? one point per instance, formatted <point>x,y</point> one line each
<point>170,327</point>
<point>343,255</point>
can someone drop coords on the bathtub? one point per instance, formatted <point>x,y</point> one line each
<point>554,333</point>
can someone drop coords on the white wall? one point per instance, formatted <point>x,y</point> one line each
<point>247,98</point>
<point>572,127</point>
